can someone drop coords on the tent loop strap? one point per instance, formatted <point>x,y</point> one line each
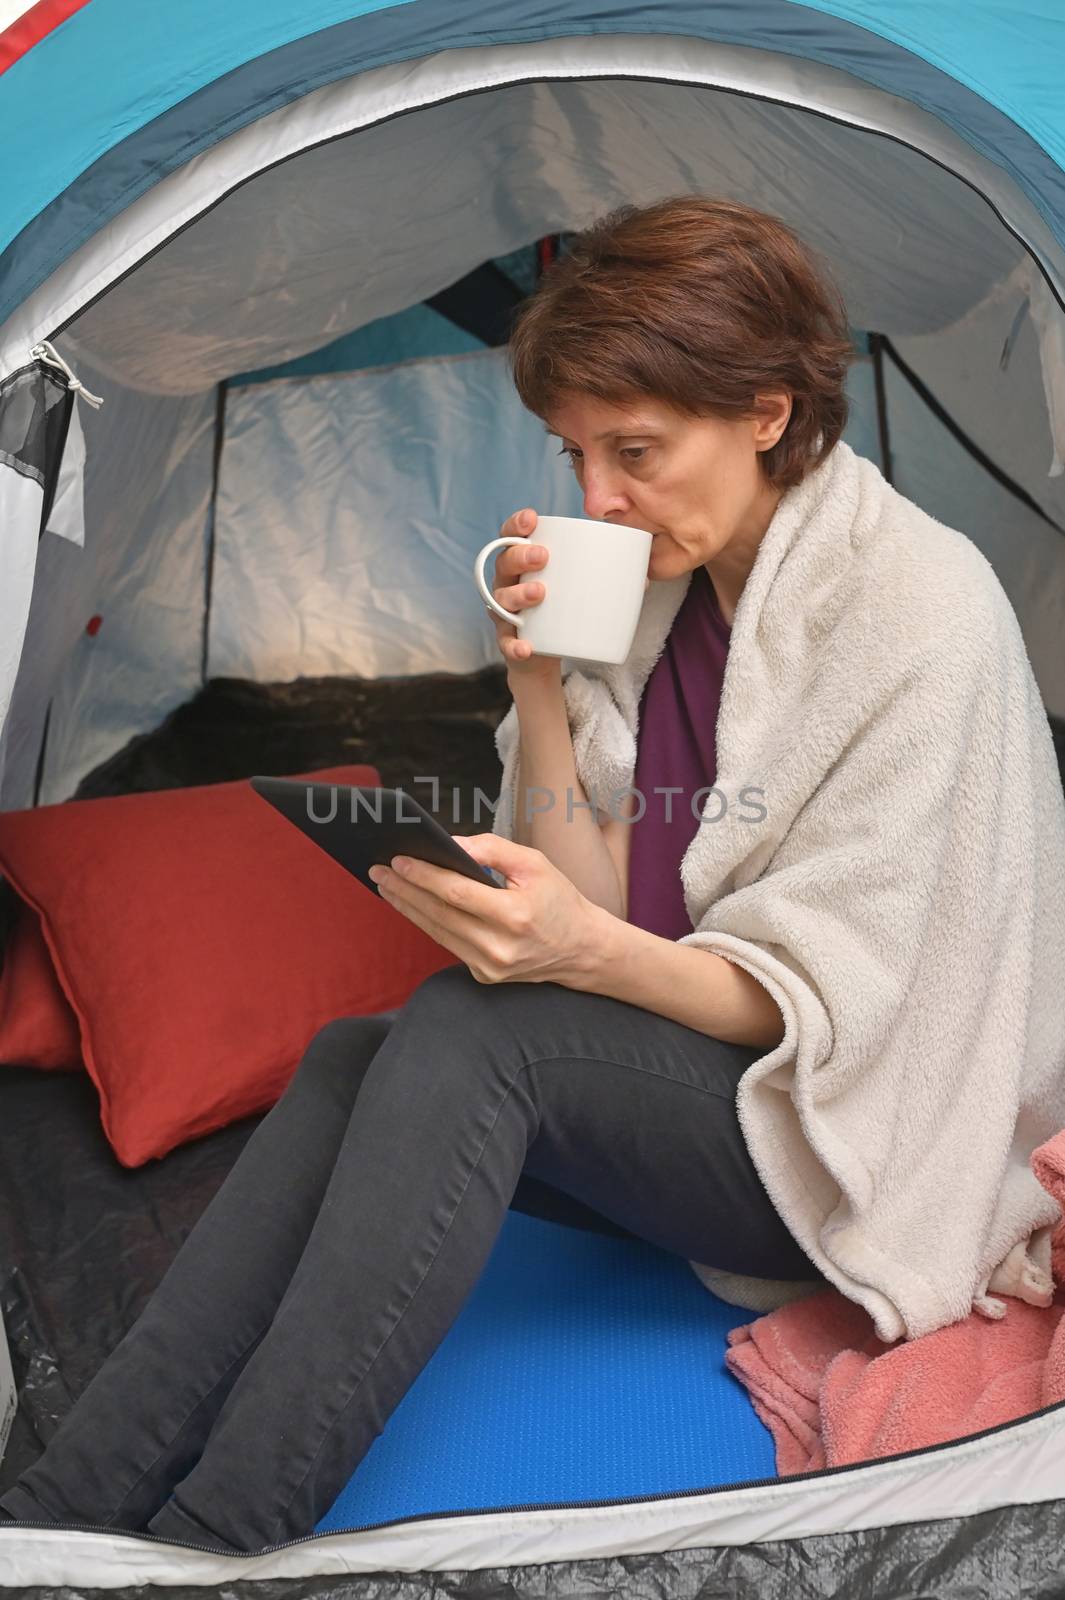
<point>47,353</point>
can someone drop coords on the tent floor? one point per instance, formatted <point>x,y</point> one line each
<point>583,1366</point>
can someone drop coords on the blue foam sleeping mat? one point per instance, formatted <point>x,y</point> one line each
<point>582,1367</point>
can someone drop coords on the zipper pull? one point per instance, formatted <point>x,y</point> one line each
<point>47,353</point>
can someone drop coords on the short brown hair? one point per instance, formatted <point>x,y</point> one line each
<point>701,303</point>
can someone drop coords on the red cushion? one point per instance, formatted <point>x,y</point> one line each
<point>38,1028</point>
<point>202,941</point>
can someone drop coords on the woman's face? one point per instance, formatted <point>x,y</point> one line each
<point>695,483</point>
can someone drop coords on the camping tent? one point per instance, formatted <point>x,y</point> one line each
<point>279,241</point>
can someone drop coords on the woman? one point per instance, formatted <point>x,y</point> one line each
<point>582,1062</point>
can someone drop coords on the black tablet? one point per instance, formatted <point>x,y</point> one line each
<point>363,827</point>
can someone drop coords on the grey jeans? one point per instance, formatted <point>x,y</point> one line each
<point>354,1225</point>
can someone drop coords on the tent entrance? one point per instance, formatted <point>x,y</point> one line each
<point>337,215</point>
<point>543,71</point>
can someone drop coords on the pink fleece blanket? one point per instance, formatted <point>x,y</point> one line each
<point>830,1392</point>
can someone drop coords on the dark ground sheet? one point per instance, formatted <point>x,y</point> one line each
<point>437,725</point>
<point>83,1240</point>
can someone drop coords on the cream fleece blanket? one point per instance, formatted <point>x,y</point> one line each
<point>903,899</point>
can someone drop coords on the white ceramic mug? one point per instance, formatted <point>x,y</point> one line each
<point>594,583</point>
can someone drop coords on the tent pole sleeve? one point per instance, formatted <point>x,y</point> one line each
<point>208,583</point>
<point>876,350</point>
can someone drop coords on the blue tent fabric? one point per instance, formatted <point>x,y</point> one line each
<point>1010,55</point>
<point>159,94</point>
<point>145,59</point>
<point>582,1367</point>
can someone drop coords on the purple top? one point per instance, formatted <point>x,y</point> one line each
<point>676,746</point>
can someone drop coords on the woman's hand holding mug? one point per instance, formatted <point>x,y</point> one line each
<point>513,564</point>
<point>600,577</point>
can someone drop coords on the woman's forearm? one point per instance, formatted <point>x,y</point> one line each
<point>552,811</point>
<point>696,987</point>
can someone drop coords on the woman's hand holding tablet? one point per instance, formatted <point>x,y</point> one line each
<point>541,930</point>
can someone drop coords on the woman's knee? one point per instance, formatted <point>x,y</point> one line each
<point>469,1031</point>
<point>456,978</point>
<point>341,1051</point>
<point>453,998</point>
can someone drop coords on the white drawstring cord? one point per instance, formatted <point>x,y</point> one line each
<point>47,353</point>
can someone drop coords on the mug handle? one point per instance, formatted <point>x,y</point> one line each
<point>516,617</point>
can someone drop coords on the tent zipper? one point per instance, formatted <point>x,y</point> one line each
<point>429,1516</point>
<point>563,1505</point>
<point>835,118</point>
